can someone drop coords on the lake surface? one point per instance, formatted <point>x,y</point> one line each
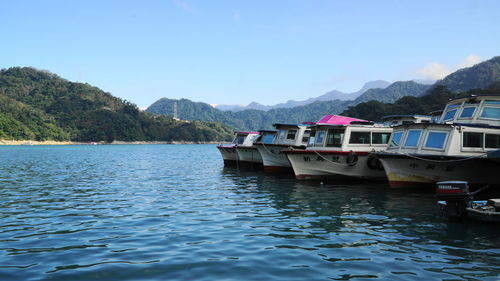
<point>173,212</point>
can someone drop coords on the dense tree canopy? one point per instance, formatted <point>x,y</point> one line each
<point>39,105</point>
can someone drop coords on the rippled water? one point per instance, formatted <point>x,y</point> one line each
<point>166,212</point>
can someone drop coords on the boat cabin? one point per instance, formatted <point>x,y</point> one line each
<point>467,126</point>
<point>265,136</point>
<point>358,136</point>
<point>245,138</point>
<point>292,134</point>
<point>473,110</point>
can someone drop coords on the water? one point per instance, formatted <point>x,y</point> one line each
<point>173,212</point>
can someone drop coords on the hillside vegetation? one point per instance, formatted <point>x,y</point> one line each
<point>39,105</point>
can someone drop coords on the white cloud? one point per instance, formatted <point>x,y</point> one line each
<point>436,71</point>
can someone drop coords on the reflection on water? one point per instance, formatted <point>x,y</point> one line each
<point>174,212</point>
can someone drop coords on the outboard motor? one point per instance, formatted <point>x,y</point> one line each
<point>457,197</point>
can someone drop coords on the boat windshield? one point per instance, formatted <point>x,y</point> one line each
<point>239,139</point>
<point>396,139</point>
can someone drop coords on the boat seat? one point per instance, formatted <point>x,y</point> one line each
<point>494,202</point>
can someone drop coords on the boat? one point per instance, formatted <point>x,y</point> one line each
<point>341,151</point>
<point>457,203</point>
<point>241,140</point>
<point>395,120</point>
<point>287,136</point>
<point>460,146</point>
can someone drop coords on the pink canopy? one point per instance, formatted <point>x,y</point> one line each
<point>338,120</point>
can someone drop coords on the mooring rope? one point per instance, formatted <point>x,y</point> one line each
<point>446,161</point>
<point>343,164</point>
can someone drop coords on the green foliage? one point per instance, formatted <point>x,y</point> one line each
<point>39,105</point>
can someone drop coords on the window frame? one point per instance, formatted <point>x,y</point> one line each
<point>487,118</point>
<point>380,144</point>
<point>323,138</point>
<point>361,144</point>
<point>443,148</point>
<point>467,107</point>
<point>419,140</point>
<point>288,133</point>
<point>390,146</point>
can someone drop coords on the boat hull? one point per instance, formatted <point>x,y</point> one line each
<point>249,156</point>
<point>273,158</point>
<point>321,165</point>
<point>228,154</point>
<point>406,171</point>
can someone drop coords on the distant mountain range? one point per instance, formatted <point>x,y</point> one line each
<point>481,76</point>
<point>332,95</point>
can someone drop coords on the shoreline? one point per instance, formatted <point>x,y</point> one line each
<point>33,142</point>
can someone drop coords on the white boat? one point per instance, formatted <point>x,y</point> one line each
<point>242,140</point>
<point>287,136</point>
<point>341,151</point>
<point>459,147</point>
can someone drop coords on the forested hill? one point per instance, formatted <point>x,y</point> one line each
<point>39,105</point>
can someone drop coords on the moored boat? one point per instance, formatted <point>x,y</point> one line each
<point>229,151</point>
<point>287,136</point>
<point>456,148</point>
<point>457,203</point>
<point>341,151</point>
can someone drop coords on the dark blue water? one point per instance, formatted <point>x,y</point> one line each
<point>172,212</point>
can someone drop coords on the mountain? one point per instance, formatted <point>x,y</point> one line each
<point>368,105</point>
<point>39,105</point>
<point>479,76</point>
<point>394,92</point>
<point>332,95</point>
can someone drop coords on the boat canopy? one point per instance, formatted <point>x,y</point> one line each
<point>338,120</point>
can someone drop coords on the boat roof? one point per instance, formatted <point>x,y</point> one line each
<point>481,97</point>
<point>338,120</point>
<point>246,133</point>
<point>405,116</point>
<point>291,125</point>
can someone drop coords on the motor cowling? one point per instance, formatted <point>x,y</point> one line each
<point>457,197</point>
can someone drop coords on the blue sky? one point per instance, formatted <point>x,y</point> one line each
<point>235,52</point>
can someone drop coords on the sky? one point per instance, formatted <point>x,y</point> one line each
<point>236,52</point>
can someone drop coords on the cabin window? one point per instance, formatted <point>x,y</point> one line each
<point>320,136</point>
<point>380,138</point>
<point>467,112</point>
<point>491,141</point>
<point>239,139</point>
<point>471,139</point>
<point>450,112</point>
<point>305,136</point>
<point>491,113</point>
<point>492,102</point>
<point>282,134</point>
<point>267,138</point>
<point>312,138</point>
<point>335,138</point>
<point>449,115</point>
<point>360,138</point>
<point>396,139</point>
<point>291,134</point>
<point>412,138</point>
<point>436,140</point>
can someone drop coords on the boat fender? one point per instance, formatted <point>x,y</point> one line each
<point>352,159</point>
<point>374,163</point>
